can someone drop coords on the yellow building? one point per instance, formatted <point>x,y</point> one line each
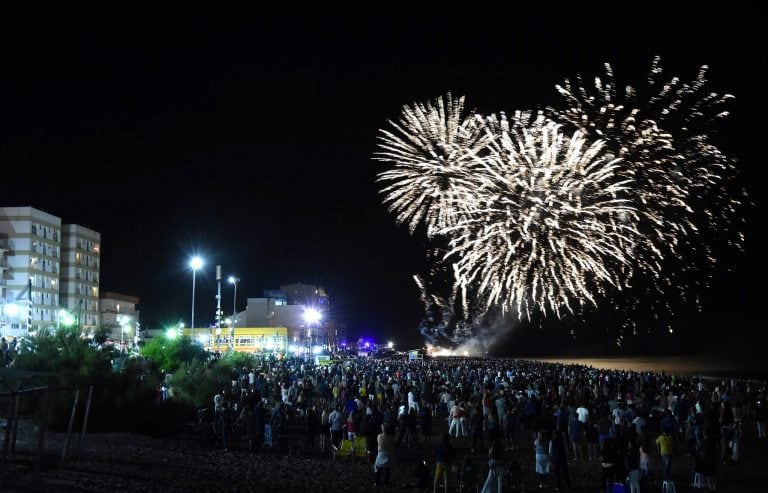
<point>247,339</point>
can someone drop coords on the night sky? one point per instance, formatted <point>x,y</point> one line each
<point>245,134</point>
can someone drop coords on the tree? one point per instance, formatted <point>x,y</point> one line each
<point>169,353</point>
<point>77,362</point>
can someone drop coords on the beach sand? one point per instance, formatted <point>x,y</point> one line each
<point>130,462</point>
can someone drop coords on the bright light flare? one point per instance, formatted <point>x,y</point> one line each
<point>196,263</point>
<point>11,309</point>
<point>312,315</point>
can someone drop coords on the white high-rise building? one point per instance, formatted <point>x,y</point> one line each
<point>46,267</point>
<point>30,241</point>
<point>80,262</point>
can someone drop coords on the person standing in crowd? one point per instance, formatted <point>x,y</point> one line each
<point>476,427</point>
<point>457,421</point>
<point>385,455</point>
<point>664,442</point>
<point>583,413</point>
<point>593,441</point>
<point>576,429</point>
<point>324,430</point>
<point>710,455</point>
<point>444,455</point>
<point>558,453</point>
<point>426,424</point>
<point>492,427</point>
<point>511,424</point>
<point>494,483</point>
<point>633,467</point>
<point>610,459</point>
<point>761,415</point>
<point>541,445</point>
<point>336,425</point>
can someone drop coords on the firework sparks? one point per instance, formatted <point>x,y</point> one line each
<point>662,133</point>
<point>546,213</point>
<point>435,151</point>
<point>545,225</point>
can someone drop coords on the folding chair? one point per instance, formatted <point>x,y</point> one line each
<point>345,449</point>
<point>513,478</point>
<point>294,439</point>
<point>360,452</point>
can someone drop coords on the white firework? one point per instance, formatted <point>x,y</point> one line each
<point>435,150</point>
<point>547,223</point>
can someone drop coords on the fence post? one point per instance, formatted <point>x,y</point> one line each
<point>43,424</point>
<point>69,429</point>
<point>15,423</point>
<point>7,441</point>
<point>85,422</point>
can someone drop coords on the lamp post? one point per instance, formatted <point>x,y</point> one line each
<point>195,263</point>
<point>233,280</point>
<point>311,316</point>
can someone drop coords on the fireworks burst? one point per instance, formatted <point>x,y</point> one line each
<point>548,213</point>
<point>435,151</point>
<point>545,223</point>
<point>681,181</point>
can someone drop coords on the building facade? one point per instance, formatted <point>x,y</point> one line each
<point>30,261</point>
<point>246,339</point>
<point>118,312</point>
<point>47,270</point>
<point>80,264</point>
<point>288,307</point>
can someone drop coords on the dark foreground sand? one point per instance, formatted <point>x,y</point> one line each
<point>128,462</point>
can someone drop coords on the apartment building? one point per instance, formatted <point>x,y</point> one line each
<point>118,311</point>
<point>30,249</point>
<point>46,267</point>
<point>80,263</point>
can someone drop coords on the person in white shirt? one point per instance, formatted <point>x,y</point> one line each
<point>446,398</point>
<point>412,403</point>
<point>618,415</point>
<point>336,424</point>
<point>583,413</point>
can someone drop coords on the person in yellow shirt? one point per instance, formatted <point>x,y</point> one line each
<point>664,443</point>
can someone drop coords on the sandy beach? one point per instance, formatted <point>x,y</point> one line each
<point>130,462</point>
<point>711,365</point>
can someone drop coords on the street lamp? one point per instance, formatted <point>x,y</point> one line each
<point>195,263</point>
<point>233,280</point>
<point>124,321</point>
<point>11,310</point>
<point>311,316</point>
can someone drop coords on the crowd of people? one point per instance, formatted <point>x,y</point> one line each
<point>630,426</point>
<point>8,351</point>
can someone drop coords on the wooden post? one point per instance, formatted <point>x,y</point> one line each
<point>15,423</point>
<point>43,424</point>
<point>85,422</point>
<point>7,441</point>
<point>69,429</point>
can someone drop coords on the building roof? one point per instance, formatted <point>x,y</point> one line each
<point>119,297</point>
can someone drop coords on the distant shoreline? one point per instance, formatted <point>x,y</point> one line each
<point>715,366</point>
